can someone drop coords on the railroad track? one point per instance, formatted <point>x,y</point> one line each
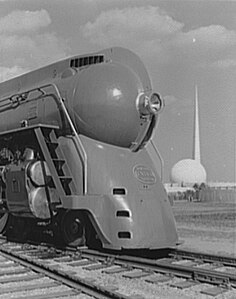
<point>180,270</point>
<point>21,264</point>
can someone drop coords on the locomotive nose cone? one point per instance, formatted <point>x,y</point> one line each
<point>104,104</point>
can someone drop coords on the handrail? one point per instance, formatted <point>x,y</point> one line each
<point>160,158</point>
<point>79,144</point>
<point>21,98</point>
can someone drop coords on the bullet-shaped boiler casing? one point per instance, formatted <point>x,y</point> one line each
<point>104,103</point>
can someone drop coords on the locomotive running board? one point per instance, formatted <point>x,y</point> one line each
<point>21,129</point>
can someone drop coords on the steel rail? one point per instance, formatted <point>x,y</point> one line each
<point>175,254</point>
<point>208,258</point>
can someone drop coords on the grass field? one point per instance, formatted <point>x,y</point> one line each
<point>208,226</point>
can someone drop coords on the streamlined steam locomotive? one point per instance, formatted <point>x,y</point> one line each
<point>74,156</point>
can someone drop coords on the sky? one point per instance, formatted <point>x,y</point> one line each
<point>182,43</point>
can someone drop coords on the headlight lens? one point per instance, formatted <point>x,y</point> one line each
<point>156,103</point>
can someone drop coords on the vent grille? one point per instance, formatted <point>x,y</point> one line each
<point>122,213</point>
<point>124,235</point>
<point>88,60</point>
<point>119,191</point>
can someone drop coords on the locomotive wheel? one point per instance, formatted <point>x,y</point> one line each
<point>73,228</point>
<point>3,222</point>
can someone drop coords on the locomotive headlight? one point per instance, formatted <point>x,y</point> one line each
<point>155,103</point>
<point>149,105</point>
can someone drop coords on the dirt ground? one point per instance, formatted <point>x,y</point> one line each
<point>207,227</point>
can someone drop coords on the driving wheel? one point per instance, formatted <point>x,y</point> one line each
<point>73,228</point>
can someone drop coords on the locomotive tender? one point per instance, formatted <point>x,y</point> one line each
<point>74,158</point>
